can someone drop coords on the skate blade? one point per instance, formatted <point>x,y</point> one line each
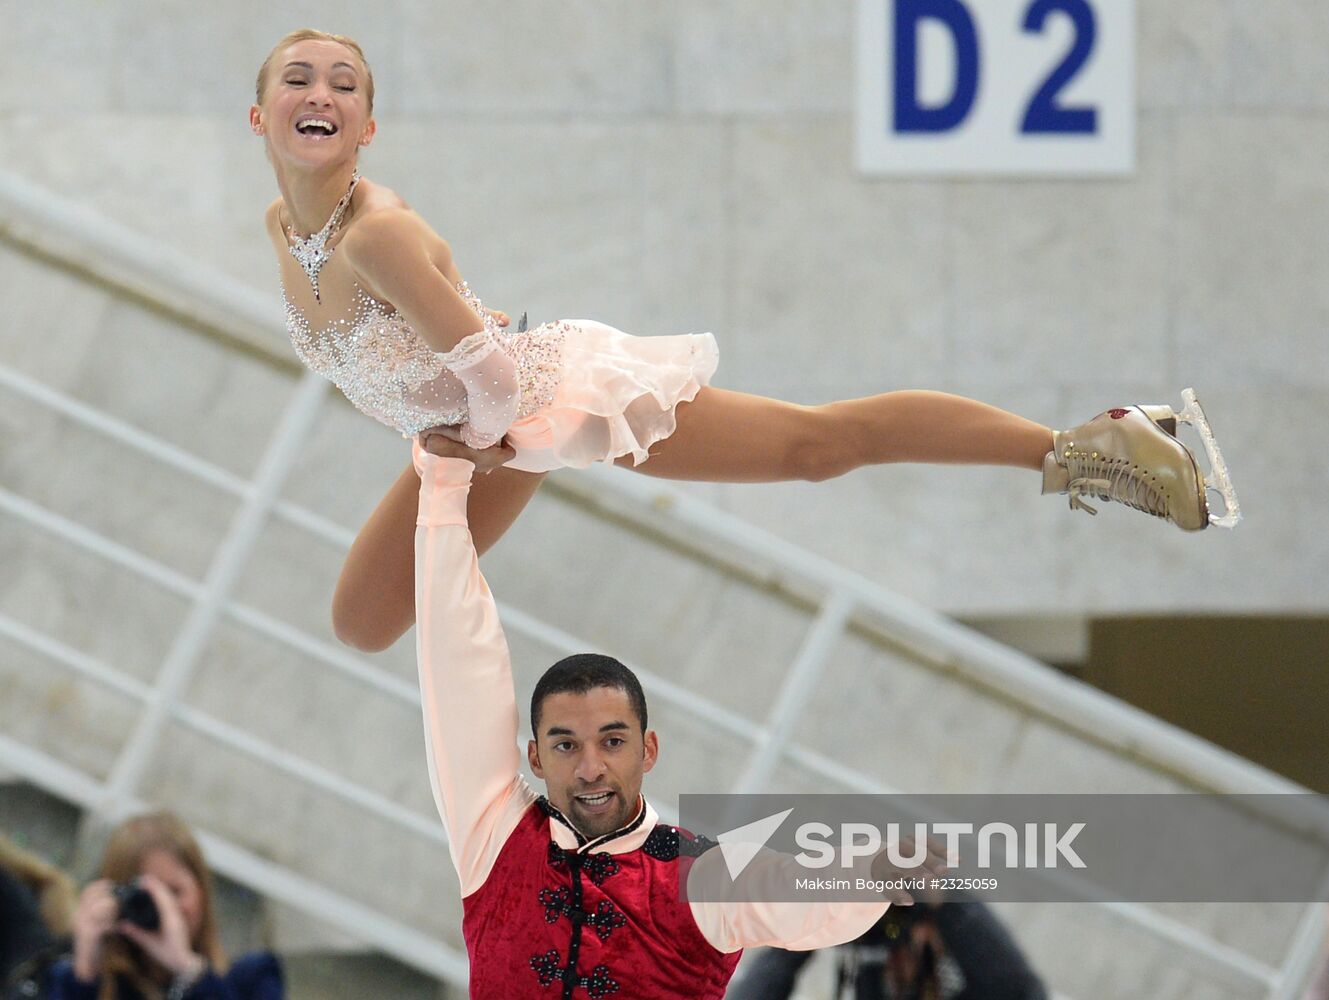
<point>1217,480</point>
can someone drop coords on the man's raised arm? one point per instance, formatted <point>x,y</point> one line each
<point>734,923</point>
<point>470,709</point>
<point>761,914</point>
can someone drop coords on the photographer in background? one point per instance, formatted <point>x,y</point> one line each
<point>928,951</point>
<point>146,930</point>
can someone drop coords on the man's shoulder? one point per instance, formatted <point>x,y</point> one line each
<point>527,818</point>
<point>669,843</point>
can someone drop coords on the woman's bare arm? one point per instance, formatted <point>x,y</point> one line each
<point>401,260</point>
<point>374,603</point>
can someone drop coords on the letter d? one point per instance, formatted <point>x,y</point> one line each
<point>910,116</point>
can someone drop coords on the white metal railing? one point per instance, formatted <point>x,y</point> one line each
<point>227,564</point>
<point>56,228</point>
<point>89,242</point>
<point>799,683</point>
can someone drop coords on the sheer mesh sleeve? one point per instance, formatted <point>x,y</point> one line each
<point>493,393</point>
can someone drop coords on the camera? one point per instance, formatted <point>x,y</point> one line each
<point>136,905</point>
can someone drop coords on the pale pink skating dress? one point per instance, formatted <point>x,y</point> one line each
<point>589,392</point>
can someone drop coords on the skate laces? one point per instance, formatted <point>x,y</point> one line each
<point>1111,479</point>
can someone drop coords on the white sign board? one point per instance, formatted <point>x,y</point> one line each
<point>996,87</point>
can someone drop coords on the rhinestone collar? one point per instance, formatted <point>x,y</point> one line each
<point>312,252</point>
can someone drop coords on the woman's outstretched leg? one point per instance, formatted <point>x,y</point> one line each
<point>374,603</point>
<point>725,436</point>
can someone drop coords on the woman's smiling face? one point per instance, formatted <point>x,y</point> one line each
<point>315,110</point>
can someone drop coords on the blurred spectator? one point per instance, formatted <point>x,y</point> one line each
<point>36,903</point>
<point>22,933</point>
<point>950,951</point>
<point>119,955</point>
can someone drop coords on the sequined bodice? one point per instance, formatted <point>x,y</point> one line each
<point>388,371</point>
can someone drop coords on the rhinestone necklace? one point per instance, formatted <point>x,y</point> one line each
<point>312,252</point>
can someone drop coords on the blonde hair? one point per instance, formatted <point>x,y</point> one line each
<point>314,35</point>
<point>129,846</point>
<point>54,890</point>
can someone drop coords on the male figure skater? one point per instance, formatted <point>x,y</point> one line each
<point>574,893</point>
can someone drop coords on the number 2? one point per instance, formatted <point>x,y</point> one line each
<point>1043,113</point>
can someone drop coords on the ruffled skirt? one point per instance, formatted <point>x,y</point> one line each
<point>616,396</point>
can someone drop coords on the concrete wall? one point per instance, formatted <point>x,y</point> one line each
<point>667,168</point>
<point>685,166</point>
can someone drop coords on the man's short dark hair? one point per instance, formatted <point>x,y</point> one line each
<point>582,672</point>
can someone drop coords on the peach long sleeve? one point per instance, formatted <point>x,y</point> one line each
<point>737,923</point>
<point>470,710</point>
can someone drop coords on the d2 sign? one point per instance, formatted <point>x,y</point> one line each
<point>996,87</point>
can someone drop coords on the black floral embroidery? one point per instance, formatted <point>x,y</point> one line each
<point>662,843</point>
<point>598,984</point>
<point>666,843</point>
<point>606,919</point>
<point>546,967</point>
<point>597,867</point>
<point>603,921</point>
<point>555,903</point>
<point>695,847</point>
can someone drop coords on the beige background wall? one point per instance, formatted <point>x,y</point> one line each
<point>669,167</point>
<point>687,166</point>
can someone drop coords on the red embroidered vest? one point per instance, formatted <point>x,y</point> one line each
<point>550,924</point>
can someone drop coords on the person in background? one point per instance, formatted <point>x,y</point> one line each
<point>36,903</point>
<point>115,958</point>
<point>946,951</point>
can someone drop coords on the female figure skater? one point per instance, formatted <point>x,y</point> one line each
<point>376,303</point>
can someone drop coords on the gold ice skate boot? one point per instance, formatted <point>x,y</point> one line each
<point>1131,456</point>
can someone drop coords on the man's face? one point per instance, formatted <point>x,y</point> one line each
<point>591,754</point>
